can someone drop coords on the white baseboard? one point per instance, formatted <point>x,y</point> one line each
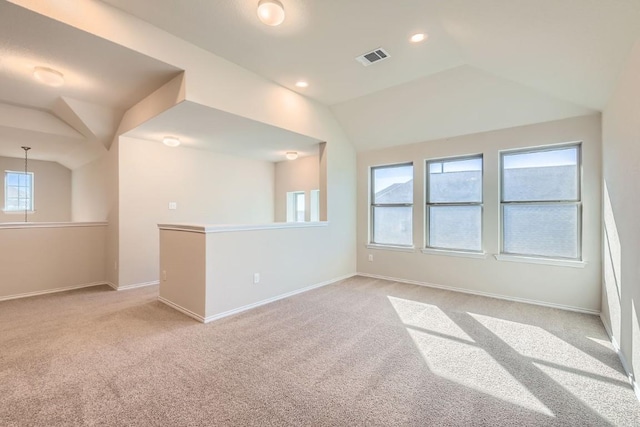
<point>182,309</point>
<point>484,294</point>
<point>133,286</point>
<point>250,306</point>
<point>623,360</point>
<point>51,291</point>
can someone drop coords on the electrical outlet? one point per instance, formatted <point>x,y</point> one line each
<point>256,277</point>
<point>370,257</point>
<point>173,206</point>
<point>164,275</point>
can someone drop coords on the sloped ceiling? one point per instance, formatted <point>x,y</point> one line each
<point>488,64</point>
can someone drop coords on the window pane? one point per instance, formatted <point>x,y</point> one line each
<point>546,230</point>
<point>455,181</point>
<point>299,207</point>
<point>455,227</point>
<point>12,179</point>
<point>393,225</point>
<point>393,184</point>
<point>541,176</point>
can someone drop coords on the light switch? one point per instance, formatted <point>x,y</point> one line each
<point>173,206</point>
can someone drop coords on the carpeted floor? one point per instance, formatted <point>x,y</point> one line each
<point>359,352</point>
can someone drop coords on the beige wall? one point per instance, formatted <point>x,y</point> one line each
<point>52,191</point>
<point>209,188</point>
<point>621,240</point>
<point>42,259</point>
<point>560,285</point>
<point>296,175</point>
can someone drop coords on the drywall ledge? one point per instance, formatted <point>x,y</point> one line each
<point>204,229</point>
<point>12,225</point>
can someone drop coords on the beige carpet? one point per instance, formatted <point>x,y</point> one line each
<point>359,352</point>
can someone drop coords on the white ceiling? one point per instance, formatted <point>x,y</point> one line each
<point>205,128</point>
<point>546,59</point>
<point>71,124</point>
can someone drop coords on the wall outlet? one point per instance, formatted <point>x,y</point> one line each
<point>370,257</point>
<point>173,206</point>
<point>256,277</point>
<point>164,275</point>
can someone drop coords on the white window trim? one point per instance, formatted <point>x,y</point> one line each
<point>545,261</point>
<point>391,247</point>
<point>454,253</point>
<point>31,196</point>
<point>372,205</point>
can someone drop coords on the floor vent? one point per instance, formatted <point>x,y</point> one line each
<point>375,55</point>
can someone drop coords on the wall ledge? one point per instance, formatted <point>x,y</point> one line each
<point>14,225</point>
<point>486,294</point>
<point>205,229</point>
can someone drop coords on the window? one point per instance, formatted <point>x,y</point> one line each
<point>314,205</point>
<point>392,205</point>
<point>454,204</point>
<point>541,205</point>
<point>18,191</point>
<point>295,206</point>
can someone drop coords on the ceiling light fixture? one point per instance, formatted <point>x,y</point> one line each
<point>170,141</point>
<point>48,76</point>
<point>292,155</point>
<point>302,84</point>
<point>417,38</point>
<point>271,12</point>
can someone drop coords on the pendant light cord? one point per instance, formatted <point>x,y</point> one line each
<point>26,180</point>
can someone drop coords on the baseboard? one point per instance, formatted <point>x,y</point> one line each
<point>484,294</point>
<point>182,309</point>
<point>133,286</point>
<point>623,360</point>
<point>52,291</point>
<point>274,299</point>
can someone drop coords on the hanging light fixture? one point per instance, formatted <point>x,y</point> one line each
<point>271,12</point>
<point>26,179</point>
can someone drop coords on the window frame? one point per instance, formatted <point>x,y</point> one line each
<point>428,204</point>
<point>292,206</point>
<point>577,202</point>
<point>31,207</point>
<point>373,205</point>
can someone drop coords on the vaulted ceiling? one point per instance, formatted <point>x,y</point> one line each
<point>487,64</point>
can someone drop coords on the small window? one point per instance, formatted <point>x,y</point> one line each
<point>295,206</point>
<point>541,202</point>
<point>314,205</point>
<point>454,204</point>
<point>18,191</point>
<point>392,205</point>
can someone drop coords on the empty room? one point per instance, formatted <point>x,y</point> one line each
<point>322,213</point>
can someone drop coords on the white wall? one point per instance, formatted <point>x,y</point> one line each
<point>52,191</point>
<point>302,174</point>
<point>561,285</point>
<point>209,188</point>
<point>621,240</point>
<point>36,259</point>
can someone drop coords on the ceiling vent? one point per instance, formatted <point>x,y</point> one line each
<point>376,55</point>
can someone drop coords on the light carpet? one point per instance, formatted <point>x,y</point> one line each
<point>358,352</point>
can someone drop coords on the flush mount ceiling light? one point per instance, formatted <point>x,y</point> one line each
<point>302,84</point>
<point>170,141</point>
<point>48,76</point>
<point>271,12</point>
<point>417,38</point>
<point>292,155</point>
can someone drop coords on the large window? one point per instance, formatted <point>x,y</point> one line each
<point>541,204</point>
<point>392,205</point>
<point>18,191</point>
<point>295,206</point>
<point>454,204</point>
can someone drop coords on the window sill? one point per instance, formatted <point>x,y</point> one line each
<point>462,254</point>
<point>13,212</point>
<point>544,261</point>
<point>391,247</point>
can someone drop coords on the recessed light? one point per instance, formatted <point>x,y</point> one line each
<point>417,38</point>
<point>48,76</point>
<point>171,141</point>
<point>302,83</point>
<point>292,155</point>
<point>271,12</point>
